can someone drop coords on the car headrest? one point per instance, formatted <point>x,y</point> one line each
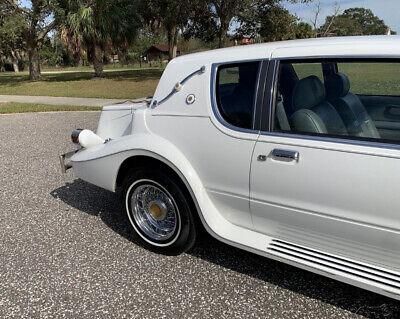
<point>337,85</point>
<point>308,93</point>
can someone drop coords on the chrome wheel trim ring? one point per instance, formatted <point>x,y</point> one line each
<point>140,219</point>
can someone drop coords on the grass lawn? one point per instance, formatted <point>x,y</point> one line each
<point>107,67</point>
<point>118,83</point>
<point>122,82</point>
<point>373,78</point>
<point>30,107</point>
<point>365,78</point>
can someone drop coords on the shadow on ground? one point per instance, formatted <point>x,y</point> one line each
<point>98,202</point>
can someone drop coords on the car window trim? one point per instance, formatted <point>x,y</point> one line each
<point>267,123</point>
<point>263,64</point>
<point>262,85</point>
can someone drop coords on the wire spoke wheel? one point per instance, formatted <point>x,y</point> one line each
<point>154,212</point>
<point>159,211</point>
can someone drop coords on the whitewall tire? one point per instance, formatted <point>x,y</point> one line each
<point>159,210</point>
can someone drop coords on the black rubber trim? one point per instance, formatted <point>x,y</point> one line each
<point>263,79</point>
<point>267,114</point>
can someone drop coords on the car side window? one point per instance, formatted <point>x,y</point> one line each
<point>347,99</point>
<point>372,78</point>
<point>304,70</point>
<point>236,93</point>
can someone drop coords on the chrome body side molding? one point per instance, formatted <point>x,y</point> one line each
<point>387,280</point>
<point>178,86</point>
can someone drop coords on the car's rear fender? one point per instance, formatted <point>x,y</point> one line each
<point>100,166</point>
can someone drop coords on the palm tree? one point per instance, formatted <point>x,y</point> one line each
<point>101,24</point>
<point>74,44</point>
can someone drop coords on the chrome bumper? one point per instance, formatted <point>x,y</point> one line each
<point>63,158</point>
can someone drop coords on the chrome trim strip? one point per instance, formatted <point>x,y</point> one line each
<point>357,263</point>
<point>199,71</point>
<point>321,262</point>
<point>178,85</point>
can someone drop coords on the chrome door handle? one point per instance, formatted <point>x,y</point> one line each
<point>283,155</point>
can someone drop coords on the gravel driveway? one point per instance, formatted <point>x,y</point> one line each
<point>66,251</point>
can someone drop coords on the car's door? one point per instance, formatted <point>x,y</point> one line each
<point>337,194</point>
<point>220,146</point>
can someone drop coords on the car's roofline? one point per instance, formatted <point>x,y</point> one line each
<point>356,45</point>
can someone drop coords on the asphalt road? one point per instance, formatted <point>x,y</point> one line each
<point>66,251</point>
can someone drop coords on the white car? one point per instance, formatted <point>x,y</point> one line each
<point>290,150</point>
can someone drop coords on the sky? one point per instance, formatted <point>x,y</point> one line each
<point>387,10</point>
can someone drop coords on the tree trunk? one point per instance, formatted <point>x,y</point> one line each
<point>223,30</point>
<point>77,58</point>
<point>14,61</point>
<point>15,66</point>
<point>35,36</point>
<point>34,62</point>
<point>98,61</point>
<point>225,17</point>
<point>221,41</point>
<point>173,42</point>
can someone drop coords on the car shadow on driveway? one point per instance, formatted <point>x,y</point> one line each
<point>104,204</point>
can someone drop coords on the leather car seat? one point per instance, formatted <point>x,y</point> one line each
<point>350,108</point>
<point>313,113</point>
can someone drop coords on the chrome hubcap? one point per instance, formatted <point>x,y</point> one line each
<point>154,212</point>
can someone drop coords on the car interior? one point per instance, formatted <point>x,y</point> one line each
<point>323,103</point>
<point>235,91</point>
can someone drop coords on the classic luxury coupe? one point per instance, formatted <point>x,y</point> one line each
<point>290,150</point>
